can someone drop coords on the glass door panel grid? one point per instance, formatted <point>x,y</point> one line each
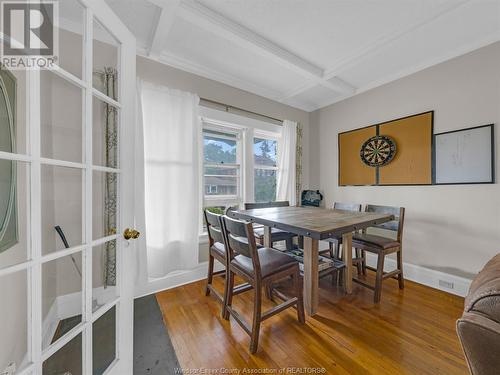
<point>35,259</point>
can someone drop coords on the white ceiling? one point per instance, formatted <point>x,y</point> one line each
<point>308,53</point>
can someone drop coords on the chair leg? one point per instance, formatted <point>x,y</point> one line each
<point>359,262</point>
<point>210,274</point>
<point>363,263</point>
<point>226,293</point>
<point>269,291</point>
<point>289,243</point>
<point>401,281</point>
<point>330,246</point>
<point>335,277</point>
<point>338,251</point>
<point>379,277</point>
<point>254,337</point>
<point>299,292</point>
<point>229,297</point>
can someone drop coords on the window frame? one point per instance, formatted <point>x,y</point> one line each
<point>269,136</point>
<point>245,136</point>
<point>223,200</point>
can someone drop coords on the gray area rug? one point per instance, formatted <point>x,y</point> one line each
<point>154,353</point>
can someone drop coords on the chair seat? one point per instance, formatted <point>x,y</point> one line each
<point>219,249</point>
<point>334,240</point>
<point>372,240</point>
<point>271,261</point>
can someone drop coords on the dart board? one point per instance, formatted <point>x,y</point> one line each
<point>378,151</point>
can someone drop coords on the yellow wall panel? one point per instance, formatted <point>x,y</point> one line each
<point>352,171</point>
<point>412,164</point>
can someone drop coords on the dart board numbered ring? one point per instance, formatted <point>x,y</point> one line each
<point>378,151</point>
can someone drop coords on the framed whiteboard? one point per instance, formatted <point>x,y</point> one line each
<point>465,156</point>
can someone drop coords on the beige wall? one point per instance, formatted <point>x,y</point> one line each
<point>153,71</point>
<point>454,229</point>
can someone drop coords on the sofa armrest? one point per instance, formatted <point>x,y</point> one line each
<point>480,339</point>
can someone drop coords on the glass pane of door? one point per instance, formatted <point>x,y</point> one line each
<point>71,36</point>
<point>105,60</point>
<point>14,212</point>
<point>60,297</point>
<point>67,360</point>
<point>62,131</point>
<point>104,274</point>
<point>104,342</point>
<point>105,137</point>
<point>62,206</point>
<point>14,320</point>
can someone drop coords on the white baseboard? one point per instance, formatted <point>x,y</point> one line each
<point>175,279</point>
<point>435,279</point>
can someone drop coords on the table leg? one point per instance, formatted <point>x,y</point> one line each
<point>311,276</point>
<point>267,237</point>
<point>347,255</point>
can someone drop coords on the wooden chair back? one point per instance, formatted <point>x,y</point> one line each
<point>347,206</point>
<point>214,227</point>
<point>252,206</point>
<point>396,225</point>
<point>240,240</point>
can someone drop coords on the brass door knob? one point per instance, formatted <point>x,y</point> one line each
<point>131,234</point>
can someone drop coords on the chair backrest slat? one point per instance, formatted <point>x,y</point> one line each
<point>239,245</point>
<point>214,227</point>
<point>236,227</point>
<point>252,206</point>
<point>347,206</point>
<point>397,224</point>
<point>239,238</point>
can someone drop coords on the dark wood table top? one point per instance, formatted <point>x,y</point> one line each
<point>317,223</point>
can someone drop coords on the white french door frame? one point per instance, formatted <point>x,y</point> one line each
<point>36,355</point>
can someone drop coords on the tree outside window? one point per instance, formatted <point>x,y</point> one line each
<point>265,169</point>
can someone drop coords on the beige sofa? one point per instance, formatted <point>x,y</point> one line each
<point>479,326</point>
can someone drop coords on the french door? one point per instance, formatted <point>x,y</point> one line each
<point>66,197</point>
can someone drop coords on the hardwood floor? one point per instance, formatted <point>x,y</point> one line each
<point>412,331</point>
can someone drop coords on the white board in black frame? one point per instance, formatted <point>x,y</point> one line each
<point>465,156</point>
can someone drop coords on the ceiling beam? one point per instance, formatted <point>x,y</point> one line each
<point>164,22</point>
<point>212,21</point>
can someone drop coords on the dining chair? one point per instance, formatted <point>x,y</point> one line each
<point>383,246</point>
<point>217,251</point>
<point>260,268</point>
<point>334,243</point>
<point>276,234</point>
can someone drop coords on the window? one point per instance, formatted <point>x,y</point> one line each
<point>240,164</point>
<point>221,168</point>
<point>265,157</point>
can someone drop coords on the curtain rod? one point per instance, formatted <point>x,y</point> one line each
<point>229,107</point>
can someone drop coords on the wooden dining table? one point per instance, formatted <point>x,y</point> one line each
<point>314,224</point>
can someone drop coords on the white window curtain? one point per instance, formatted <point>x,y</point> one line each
<point>285,190</point>
<point>172,184</point>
